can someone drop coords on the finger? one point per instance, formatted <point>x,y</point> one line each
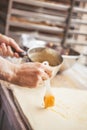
<point>1,53</point>
<point>4,49</point>
<point>48,69</point>
<point>43,74</point>
<point>16,55</point>
<point>4,39</point>
<point>15,45</point>
<point>40,81</point>
<point>49,72</point>
<point>11,42</point>
<point>9,51</point>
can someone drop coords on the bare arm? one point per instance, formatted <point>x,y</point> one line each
<point>5,69</point>
<point>27,74</point>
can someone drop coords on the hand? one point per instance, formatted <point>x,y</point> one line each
<point>26,74</point>
<point>5,46</point>
<point>31,74</point>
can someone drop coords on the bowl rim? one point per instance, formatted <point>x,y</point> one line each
<point>31,49</point>
<point>71,56</point>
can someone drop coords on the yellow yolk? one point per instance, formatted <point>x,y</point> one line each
<point>49,101</point>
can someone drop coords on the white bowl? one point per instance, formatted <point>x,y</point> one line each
<point>70,60</point>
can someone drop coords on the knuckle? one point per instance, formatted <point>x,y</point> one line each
<point>39,65</point>
<point>37,77</point>
<point>38,71</point>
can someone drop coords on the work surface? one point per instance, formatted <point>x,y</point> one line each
<point>70,110</point>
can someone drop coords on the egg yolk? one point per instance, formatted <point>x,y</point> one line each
<point>49,101</point>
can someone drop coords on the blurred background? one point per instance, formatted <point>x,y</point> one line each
<point>51,23</point>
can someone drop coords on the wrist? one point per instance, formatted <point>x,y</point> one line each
<point>7,70</point>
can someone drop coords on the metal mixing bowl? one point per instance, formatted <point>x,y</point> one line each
<point>41,54</point>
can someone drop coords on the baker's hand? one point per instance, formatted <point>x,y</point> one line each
<point>26,74</point>
<point>6,45</point>
<point>31,74</point>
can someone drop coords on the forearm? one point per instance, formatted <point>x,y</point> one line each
<point>6,69</point>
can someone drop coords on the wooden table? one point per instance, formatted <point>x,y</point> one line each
<point>10,116</point>
<point>22,108</point>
